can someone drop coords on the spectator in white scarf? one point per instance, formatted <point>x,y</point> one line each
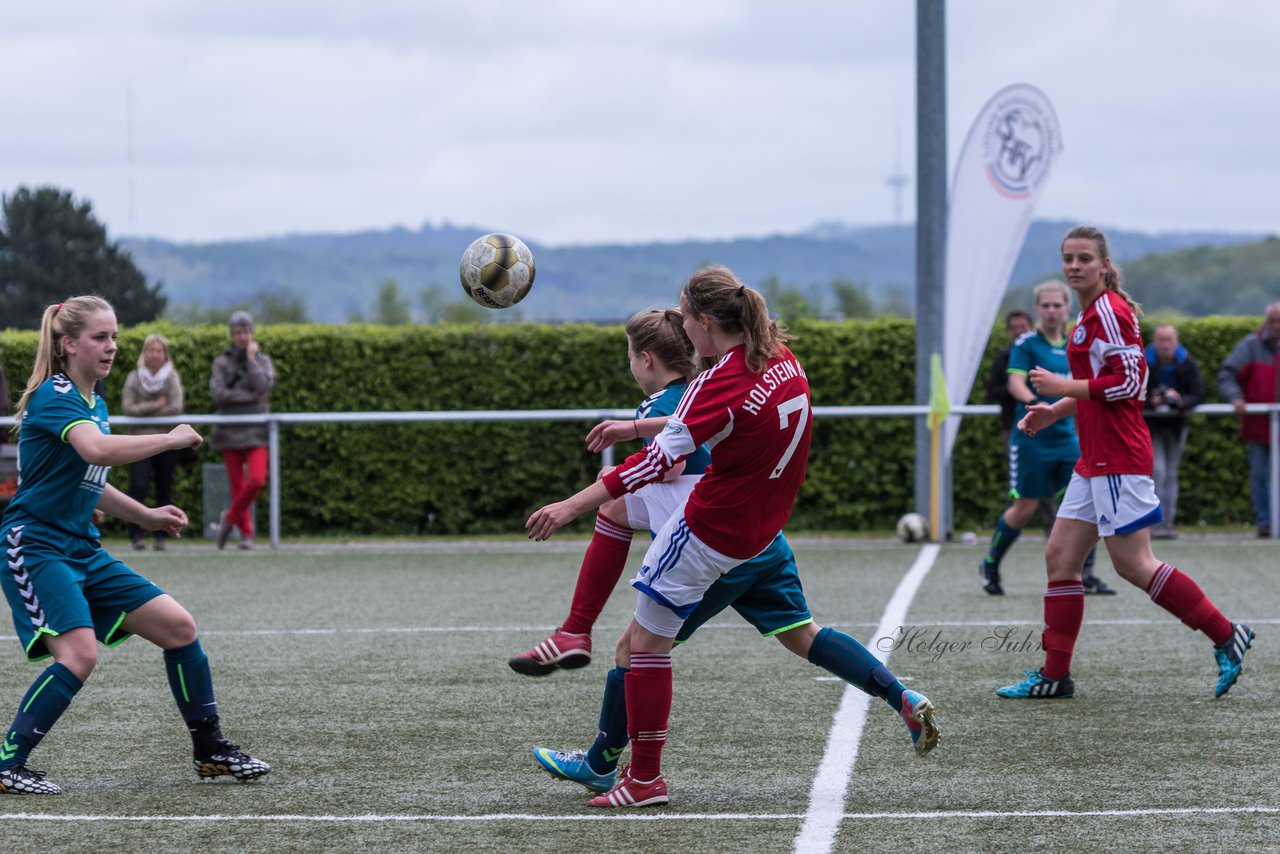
<point>153,389</point>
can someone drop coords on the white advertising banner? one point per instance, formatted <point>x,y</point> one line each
<point>1003,166</point>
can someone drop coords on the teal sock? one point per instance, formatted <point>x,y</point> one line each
<point>612,737</point>
<point>45,701</point>
<point>1001,541</point>
<point>191,681</point>
<point>851,661</point>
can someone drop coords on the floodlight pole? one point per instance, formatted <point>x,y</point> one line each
<point>931,233</point>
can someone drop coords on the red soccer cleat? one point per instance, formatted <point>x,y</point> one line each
<point>562,649</point>
<point>629,792</point>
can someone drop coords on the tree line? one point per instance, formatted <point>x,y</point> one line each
<point>52,246</point>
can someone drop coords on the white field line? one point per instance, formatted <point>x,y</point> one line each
<point>647,816</point>
<point>414,630</point>
<point>826,798</point>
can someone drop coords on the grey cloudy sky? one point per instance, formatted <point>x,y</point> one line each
<point>572,121</point>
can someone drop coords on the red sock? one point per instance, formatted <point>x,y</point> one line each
<point>1182,597</point>
<point>602,566</point>
<point>648,708</point>
<point>1063,614</point>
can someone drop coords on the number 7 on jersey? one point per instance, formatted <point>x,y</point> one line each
<point>799,403</point>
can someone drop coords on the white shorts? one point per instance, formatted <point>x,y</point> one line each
<point>677,570</point>
<point>1114,503</point>
<point>649,507</point>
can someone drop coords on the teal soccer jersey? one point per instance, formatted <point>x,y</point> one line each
<point>1033,350</point>
<point>664,402</point>
<point>56,487</point>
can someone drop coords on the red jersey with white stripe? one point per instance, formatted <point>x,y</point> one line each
<point>757,427</point>
<point>1106,349</point>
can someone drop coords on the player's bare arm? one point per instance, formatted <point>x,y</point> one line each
<point>606,434</point>
<point>1042,415</point>
<point>1050,384</point>
<point>168,518</point>
<point>1020,390</point>
<point>100,449</point>
<point>545,521</point>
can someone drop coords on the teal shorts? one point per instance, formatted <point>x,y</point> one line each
<point>55,582</point>
<point>765,590</point>
<point>1040,471</point>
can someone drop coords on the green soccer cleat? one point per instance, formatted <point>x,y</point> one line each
<point>1230,657</point>
<point>918,713</point>
<point>573,767</point>
<point>1037,687</point>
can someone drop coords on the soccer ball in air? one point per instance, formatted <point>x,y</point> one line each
<point>913,528</point>
<point>497,270</point>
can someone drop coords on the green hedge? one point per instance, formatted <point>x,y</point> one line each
<point>486,478</point>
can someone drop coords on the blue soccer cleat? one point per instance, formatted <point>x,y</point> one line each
<point>1037,687</point>
<point>1230,657</point>
<point>574,768</point>
<point>918,712</point>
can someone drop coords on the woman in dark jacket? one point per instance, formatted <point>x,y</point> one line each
<point>1174,388</point>
<point>241,381</point>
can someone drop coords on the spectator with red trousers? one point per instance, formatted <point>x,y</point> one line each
<point>240,384</point>
<point>1249,375</point>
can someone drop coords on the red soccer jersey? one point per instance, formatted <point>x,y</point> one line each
<point>1106,349</point>
<point>757,427</point>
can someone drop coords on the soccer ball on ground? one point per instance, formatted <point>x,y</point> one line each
<point>913,528</point>
<point>497,270</point>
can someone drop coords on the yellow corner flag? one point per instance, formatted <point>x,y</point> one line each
<point>939,401</point>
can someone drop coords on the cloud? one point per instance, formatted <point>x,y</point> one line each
<point>580,122</point>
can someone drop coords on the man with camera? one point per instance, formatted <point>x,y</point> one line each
<point>1175,388</point>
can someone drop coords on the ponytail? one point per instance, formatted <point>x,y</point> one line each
<point>661,333</point>
<point>64,320</point>
<point>1111,279</point>
<point>715,292</point>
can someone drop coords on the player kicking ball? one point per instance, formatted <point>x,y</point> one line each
<point>752,410</point>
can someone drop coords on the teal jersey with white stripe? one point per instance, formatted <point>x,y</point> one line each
<point>664,402</point>
<point>56,487</point>
<point>1033,350</point>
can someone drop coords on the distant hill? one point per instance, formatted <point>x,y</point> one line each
<point>337,275</point>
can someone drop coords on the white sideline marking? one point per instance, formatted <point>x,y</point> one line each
<point>649,816</point>
<point>826,798</point>
<point>413,630</point>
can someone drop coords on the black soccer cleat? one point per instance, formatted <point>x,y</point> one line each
<point>21,780</point>
<point>1093,585</point>
<point>230,760</point>
<point>989,573</point>
<point>215,756</point>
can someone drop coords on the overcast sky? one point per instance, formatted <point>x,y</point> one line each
<point>580,121</point>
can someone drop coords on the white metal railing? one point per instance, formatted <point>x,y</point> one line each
<point>273,420</point>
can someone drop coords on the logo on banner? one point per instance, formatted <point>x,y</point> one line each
<point>1019,145</point>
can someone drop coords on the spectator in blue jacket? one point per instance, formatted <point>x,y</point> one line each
<point>1249,375</point>
<point>1174,388</point>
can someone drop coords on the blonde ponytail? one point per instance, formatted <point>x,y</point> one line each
<point>64,320</point>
